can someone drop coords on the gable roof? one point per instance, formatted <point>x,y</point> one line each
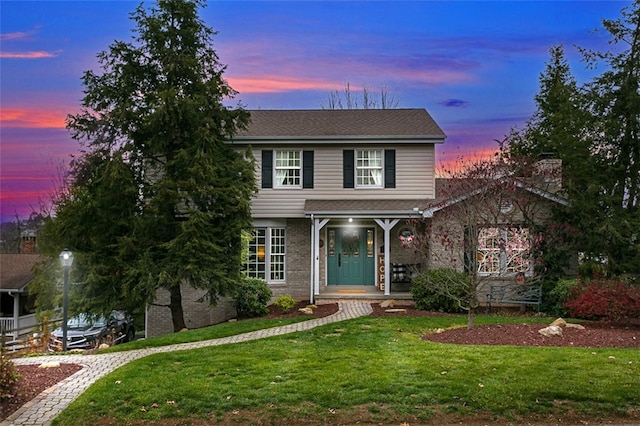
<point>442,203</point>
<point>405,124</point>
<point>16,271</point>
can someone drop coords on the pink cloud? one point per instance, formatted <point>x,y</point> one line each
<point>277,84</point>
<point>32,118</point>
<point>14,36</point>
<point>28,55</point>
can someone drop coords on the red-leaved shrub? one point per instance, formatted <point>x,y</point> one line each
<point>604,299</point>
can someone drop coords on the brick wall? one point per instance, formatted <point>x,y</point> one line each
<point>298,261</point>
<point>196,313</point>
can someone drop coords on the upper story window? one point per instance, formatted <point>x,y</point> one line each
<point>288,168</point>
<point>369,168</point>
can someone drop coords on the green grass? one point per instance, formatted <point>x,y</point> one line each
<point>217,331</point>
<point>373,369</point>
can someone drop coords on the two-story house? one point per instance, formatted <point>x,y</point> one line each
<point>336,190</point>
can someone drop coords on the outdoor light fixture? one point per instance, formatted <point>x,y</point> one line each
<point>66,259</point>
<point>350,219</point>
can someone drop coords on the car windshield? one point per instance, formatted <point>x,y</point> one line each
<point>84,321</point>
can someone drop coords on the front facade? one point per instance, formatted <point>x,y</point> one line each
<point>337,188</point>
<point>339,194</point>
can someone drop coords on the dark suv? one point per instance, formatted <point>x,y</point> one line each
<point>88,332</point>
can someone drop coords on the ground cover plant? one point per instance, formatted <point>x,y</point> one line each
<point>368,370</point>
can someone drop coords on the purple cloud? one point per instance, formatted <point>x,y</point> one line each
<point>454,103</point>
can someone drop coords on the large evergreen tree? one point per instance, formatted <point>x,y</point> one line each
<point>557,127</point>
<point>613,99</point>
<point>159,197</point>
<point>595,130</point>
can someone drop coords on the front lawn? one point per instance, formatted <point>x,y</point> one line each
<point>367,370</point>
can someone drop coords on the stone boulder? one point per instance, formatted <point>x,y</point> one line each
<point>551,331</point>
<point>389,303</point>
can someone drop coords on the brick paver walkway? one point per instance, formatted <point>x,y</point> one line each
<point>52,401</point>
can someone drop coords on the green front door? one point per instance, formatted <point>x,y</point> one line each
<point>350,256</point>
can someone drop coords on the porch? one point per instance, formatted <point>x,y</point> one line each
<point>371,293</point>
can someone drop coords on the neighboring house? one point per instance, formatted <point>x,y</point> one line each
<point>17,310</point>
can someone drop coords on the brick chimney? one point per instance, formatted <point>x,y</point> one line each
<point>549,171</point>
<point>28,242</point>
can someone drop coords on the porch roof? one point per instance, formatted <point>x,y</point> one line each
<point>16,271</point>
<point>366,208</point>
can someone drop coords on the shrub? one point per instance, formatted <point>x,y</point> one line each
<point>556,295</point>
<point>285,302</point>
<point>8,375</point>
<point>251,298</point>
<point>424,290</point>
<point>605,299</point>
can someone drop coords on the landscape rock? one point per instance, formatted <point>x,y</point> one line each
<point>306,311</point>
<point>559,322</point>
<point>576,326</point>
<point>49,364</point>
<point>389,303</point>
<point>551,331</point>
<point>391,311</point>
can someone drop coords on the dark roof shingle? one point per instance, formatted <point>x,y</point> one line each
<point>345,122</point>
<point>16,270</point>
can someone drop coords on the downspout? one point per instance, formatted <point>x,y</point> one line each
<point>313,257</point>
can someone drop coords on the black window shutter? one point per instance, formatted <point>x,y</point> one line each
<point>389,168</point>
<point>307,169</point>
<point>348,168</point>
<point>267,169</point>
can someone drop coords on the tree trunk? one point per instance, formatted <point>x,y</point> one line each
<point>470,317</point>
<point>175,304</point>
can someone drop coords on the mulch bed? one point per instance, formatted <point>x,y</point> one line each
<point>33,381</point>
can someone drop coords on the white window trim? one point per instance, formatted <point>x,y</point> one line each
<point>268,272</point>
<point>381,169</point>
<point>502,253</point>
<point>276,181</point>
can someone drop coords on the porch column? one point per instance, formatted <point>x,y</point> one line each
<point>387,225</point>
<point>316,227</point>
<point>16,315</point>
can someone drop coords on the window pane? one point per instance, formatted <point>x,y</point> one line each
<point>517,250</point>
<point>489,251</point>
<point>277,254</point>
<point>256,263</point>
<point>369,168</point>
<point>287,166</point>
<point>504,251</point>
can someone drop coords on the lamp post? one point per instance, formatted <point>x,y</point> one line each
<point>66,259</point>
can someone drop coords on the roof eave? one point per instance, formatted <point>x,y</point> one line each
<point>369,214</point>
<point>359,139</point>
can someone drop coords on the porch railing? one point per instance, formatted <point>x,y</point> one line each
<point>28,333</point>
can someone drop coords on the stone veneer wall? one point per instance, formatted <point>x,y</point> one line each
<point>196,314</point>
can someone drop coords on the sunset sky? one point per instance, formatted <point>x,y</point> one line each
<point>474,65</point>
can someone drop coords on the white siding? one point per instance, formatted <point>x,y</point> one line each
<point>415,178</point>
